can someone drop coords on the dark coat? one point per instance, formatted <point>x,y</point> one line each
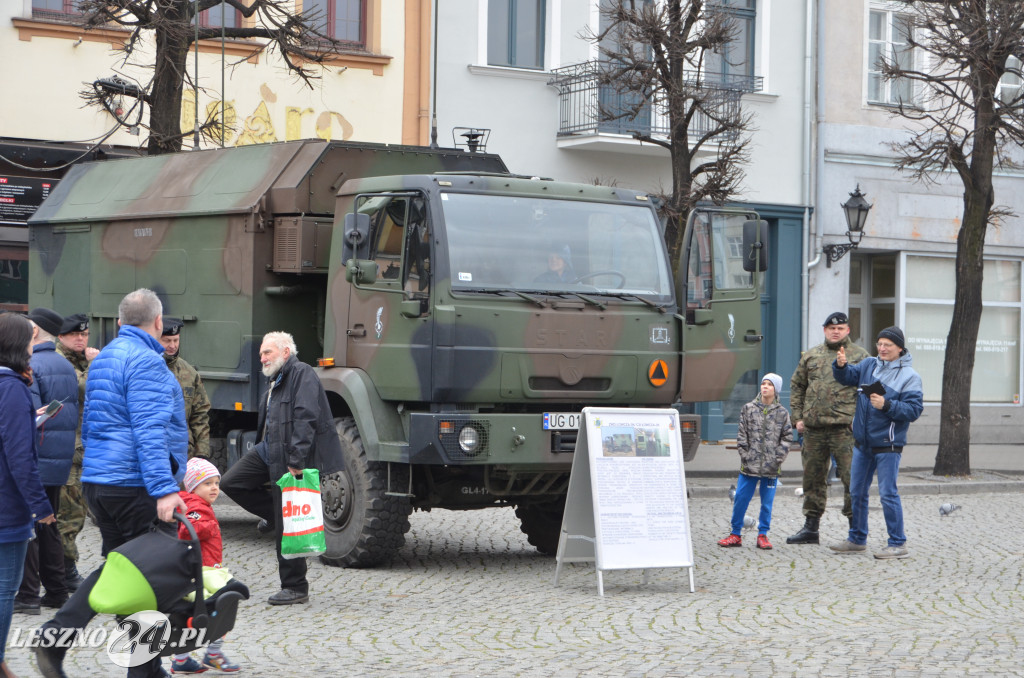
<point>55,379</point>
<point>22,498</point>
<point>298,427</point>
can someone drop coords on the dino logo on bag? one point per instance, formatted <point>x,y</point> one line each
<point>290,510</point>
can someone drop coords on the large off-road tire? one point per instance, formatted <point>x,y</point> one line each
<point>541,522</point>
<point>363,525</point>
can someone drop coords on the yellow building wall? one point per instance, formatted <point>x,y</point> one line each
<point>359,97</point>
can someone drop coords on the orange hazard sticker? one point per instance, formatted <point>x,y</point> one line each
<point>657,373</point>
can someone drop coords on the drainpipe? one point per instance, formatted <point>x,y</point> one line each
<point>812,23</point>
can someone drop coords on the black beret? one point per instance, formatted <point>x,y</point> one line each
<point>172,326</point>
<point>837,318</point>
<point>48,320</point>
<point>79,322</point>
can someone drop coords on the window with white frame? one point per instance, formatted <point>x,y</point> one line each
<point>1009,88</point>
<point>888,33</point>
<point>928,310</point>
<point>515,33</point>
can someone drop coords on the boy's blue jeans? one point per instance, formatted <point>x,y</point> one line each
<point>745,486</point>
<point>864,466</point>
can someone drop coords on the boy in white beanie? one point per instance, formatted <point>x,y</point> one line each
<point>202,487</point>
<point>763,442</point>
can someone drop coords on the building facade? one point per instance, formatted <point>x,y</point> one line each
<point>903,271</point>
<point>374,90</point>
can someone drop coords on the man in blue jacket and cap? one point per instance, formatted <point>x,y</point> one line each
<point>136,440</point>
<point>889,397</point>
<point>53,379</point>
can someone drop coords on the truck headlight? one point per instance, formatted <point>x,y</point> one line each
<point>469,439</point>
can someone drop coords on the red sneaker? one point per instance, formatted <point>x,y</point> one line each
<point>763,543</point>
<point>731,540</point>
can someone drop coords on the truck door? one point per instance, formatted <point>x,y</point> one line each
<point>390,328</point>
<point>721,306</point>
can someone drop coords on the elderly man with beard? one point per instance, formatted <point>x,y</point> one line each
<point>295,431</point>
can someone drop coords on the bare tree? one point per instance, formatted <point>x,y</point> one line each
<point>168,25</point>
<point>961,120</point>
<point>656,57</point>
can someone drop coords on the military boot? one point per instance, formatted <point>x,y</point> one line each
<point>807,535</point>
<point>72,579</point>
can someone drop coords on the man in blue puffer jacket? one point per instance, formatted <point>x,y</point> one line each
<point>136,440</point>
<point>53,379</point>
<point>889,398</point>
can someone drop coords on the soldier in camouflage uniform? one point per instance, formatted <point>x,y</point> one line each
<point>822,411</point>
<point>72,343</point>
<point>197,404</point>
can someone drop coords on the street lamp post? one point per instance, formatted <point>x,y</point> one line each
<point>856,210</point>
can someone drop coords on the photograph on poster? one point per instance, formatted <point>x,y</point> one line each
<point>630,441</point>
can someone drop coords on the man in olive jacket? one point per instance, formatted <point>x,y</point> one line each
<point>295,431</point>
<point>822,411</point>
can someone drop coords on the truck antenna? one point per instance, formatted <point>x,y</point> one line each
<point>433,89</point>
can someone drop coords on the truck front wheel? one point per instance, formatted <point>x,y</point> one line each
<point>364,526</point>
<point>541,522</point>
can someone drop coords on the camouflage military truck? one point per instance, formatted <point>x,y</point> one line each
<point>459,317</point>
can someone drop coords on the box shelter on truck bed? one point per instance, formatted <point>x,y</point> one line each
<point>235,241</point>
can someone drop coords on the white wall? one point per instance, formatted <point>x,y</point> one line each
<point>521,109</point>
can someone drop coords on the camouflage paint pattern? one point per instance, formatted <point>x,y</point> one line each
<point>206,231</point>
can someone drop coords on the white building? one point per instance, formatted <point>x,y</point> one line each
<point>903,271</point>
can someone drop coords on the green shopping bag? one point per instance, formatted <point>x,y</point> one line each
<point>302,515</point>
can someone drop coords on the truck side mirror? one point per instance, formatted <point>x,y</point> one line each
<point>357,232</point>
<point>755,246</point>
<point>361,271</point>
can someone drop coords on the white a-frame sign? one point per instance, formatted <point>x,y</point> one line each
<point>626,504</point>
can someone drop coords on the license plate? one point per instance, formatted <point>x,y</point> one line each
<point>561,420</point>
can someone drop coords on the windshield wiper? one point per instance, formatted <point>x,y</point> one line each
<point>536,300</point>
<point>628,295</point>
<point>591,300</point>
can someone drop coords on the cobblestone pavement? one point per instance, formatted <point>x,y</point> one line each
<point>468,596</point>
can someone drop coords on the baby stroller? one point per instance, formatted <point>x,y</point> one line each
<point>155,572</point>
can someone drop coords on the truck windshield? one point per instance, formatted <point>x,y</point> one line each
<point>549,245</point>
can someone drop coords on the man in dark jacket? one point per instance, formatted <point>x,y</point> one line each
<point>295,431</point>
<point>890,397</point>
<point>53,379</point>
<point>73,344</point>
<point>135,439</point>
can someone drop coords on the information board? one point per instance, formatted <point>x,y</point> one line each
<point>21,196</point>
<point>626,505</point>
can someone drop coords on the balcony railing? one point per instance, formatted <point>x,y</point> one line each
<point>581,100</point>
